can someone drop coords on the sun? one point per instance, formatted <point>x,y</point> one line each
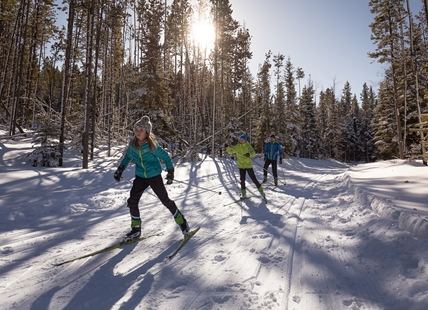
<point>202,32</point>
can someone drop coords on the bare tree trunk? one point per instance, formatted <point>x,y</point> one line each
<point>66,79</point>
<point>19,52</point>
<point>88,77</point>
<point>414,64</point>
<point>94,100</point>
<point>394,80</point>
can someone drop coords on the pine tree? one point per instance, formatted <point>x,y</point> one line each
<point>385,32</point>
<point>309,143</point>
<point>153,99</point>
<point>368,103</point>
<point>291,119</point>
<point>277,119</point>
<point>332,133</point>
<point>383,124</point>
<point>263,101</point>
<point>354,131</point>
<point>345,122</point>
<point>322,123</point>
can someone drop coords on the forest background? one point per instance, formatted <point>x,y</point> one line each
<point>114,61</point>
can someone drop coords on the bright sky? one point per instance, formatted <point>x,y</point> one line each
<point>328,39</point>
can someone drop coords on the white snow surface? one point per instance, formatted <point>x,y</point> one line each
<point>335,236</point>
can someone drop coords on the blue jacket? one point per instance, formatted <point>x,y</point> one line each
<point>147,164</point>
<point>271,150</point>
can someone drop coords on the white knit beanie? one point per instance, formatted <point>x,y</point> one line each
<point>144,123</point>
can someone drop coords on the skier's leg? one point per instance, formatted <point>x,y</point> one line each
<point>253,177</point>
<point>265,170</point>
<point>138,187</point>
<point>275,169</point>
<point>156,183</point>
<point>242,173</point>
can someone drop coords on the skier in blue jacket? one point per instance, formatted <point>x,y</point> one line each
<point>146,152</point>
<point>271,151</point>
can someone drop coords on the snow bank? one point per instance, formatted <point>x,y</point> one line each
<point>412,222</point>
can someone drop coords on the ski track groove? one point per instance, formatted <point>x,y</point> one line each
<point>308,188</point>
<point>319,239</point>
<point>279,232</point>
<point>255,278</point>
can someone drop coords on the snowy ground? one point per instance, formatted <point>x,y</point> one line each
<point>334,237</point>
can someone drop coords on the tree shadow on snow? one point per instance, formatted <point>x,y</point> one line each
<point>260,213</point>
<point>105,288</point>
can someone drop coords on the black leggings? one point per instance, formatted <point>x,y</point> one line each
<point>274,168</point>
<point>243,172</point>
<point>140,185</point>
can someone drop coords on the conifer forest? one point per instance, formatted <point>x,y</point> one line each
<point>85,81</point>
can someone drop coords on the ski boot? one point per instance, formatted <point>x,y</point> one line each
<point>182,222</point>
<point>243,194</point>
<point>135,232</point>
<point>262,192</point>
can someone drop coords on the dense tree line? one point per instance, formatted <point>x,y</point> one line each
<point>114,61</point>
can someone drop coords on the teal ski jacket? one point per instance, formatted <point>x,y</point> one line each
<point>147,164</point>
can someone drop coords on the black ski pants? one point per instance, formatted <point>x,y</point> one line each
<point>250,171</point>
<point>140,185</point>
<point>274,168</point>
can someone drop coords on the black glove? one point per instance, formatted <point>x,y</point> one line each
<point>265,158</point>
<point>226,145</point>
<point>118,173</point>
<point>170,176</point>
<point>247,155</point>
<point>280,161</point>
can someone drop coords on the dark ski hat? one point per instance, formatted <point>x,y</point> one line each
<point>144,123</point>
<point>272,136</point>
<point>244,137</point>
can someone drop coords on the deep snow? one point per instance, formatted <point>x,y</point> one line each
<point>336,236</point>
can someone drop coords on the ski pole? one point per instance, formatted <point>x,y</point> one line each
<point>206,189</point>
<point>129,181</point>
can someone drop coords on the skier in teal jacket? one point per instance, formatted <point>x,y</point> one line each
<point>272,150</point>
<point>146,152</point>
<point>244,151</point>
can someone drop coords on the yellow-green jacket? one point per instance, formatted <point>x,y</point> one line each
<point>240,150</point>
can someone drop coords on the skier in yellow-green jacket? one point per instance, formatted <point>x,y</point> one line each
<point>244,151</point>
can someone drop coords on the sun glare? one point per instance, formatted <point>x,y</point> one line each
<point>203,34</point>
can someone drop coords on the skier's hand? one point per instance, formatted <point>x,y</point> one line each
<point>280,161</point>
<point>226,145</point>
<point>170,176</point>
<point>265,158</point>
<point>247,155</point>
<point>118,173</point>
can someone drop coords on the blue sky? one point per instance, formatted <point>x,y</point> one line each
<point>328,39</point>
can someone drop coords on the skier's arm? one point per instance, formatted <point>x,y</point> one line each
<point>162,154</point>
<point>251,150</point>
<point>231,150</point>
<point>280,151</point>
<point>127,157</point>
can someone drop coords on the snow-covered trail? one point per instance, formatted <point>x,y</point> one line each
<point>313,246</point>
